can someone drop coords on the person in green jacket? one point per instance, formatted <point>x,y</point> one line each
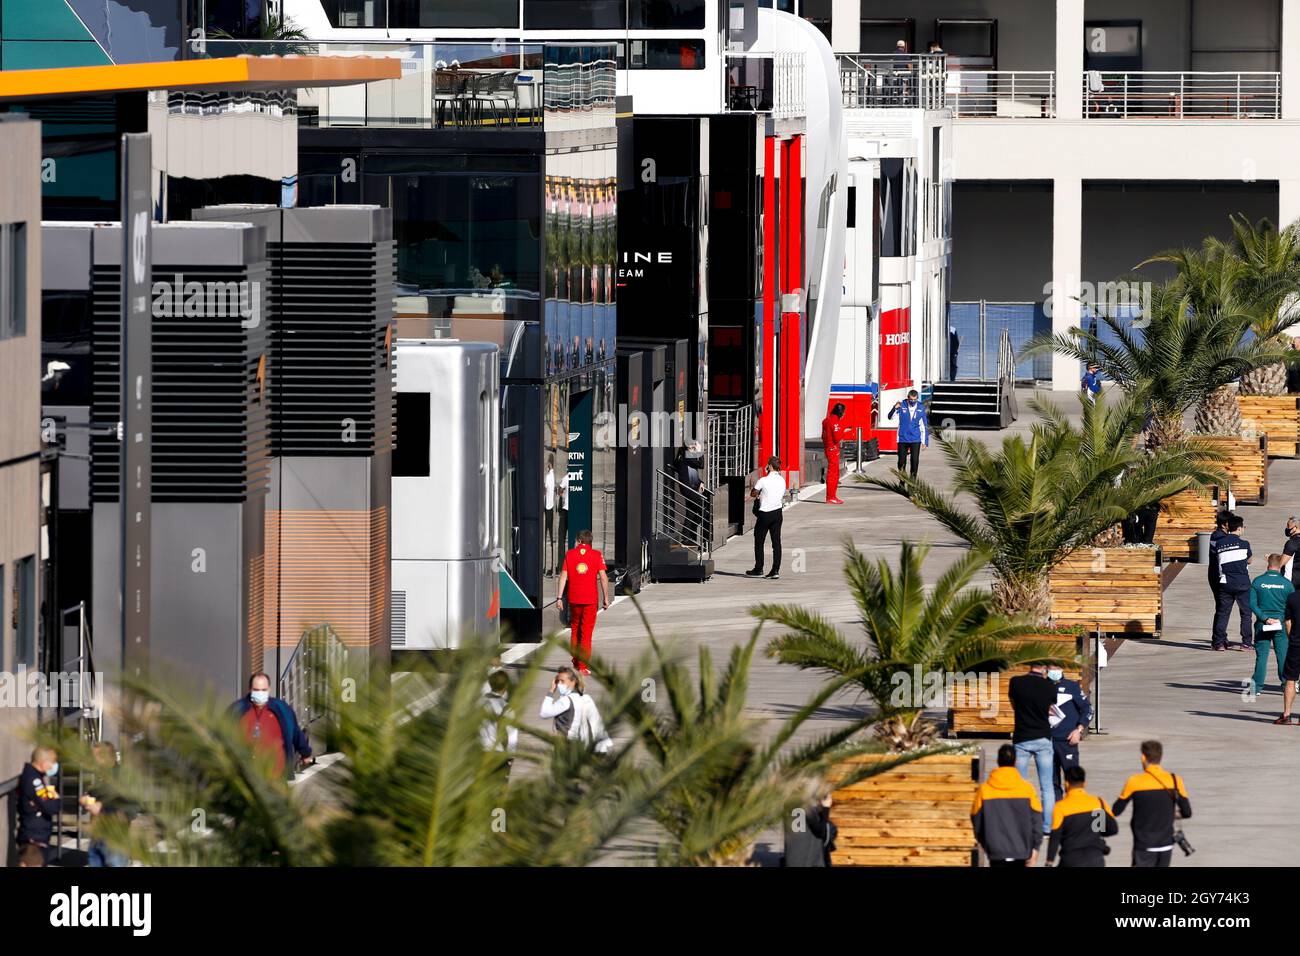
<point>1268,594</point>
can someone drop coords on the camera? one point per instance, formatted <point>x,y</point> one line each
<point>1183,843</point>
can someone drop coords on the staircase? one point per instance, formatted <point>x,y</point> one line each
<point>983,403</point>
<point>681,542</point>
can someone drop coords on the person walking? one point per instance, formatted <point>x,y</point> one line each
<point>1290,548</point>
<point>1080,824</point>
<point>1230,557</point>
<point>1068,729</point>
<point>1268,596</point>
<point>833,432</point>
<point>769,495</point>
<point>1091,382</point>
<point>38,800</point>
<point>913,430</point>
<point>1033,700</point>
<point>810,834</point>
<point>1291,666</point>
<point>583,584</point>
<point>1006,815</point>
<point>271,727</point>
<point>575,714</point>
<point>1158,799</point>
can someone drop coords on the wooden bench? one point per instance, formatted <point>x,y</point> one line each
<point>995,718</point>
<point>917,814</point>
<point>1277,416</point>
<point>1181,517</point>
<point>1246,464</point>
<point>1116,589</point>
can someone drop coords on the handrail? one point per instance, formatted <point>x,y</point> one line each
<point>901,81</point>
<point>317,657</point>
<point>683,515</point>
<point>1005,94</point>
<point>1187,94</point>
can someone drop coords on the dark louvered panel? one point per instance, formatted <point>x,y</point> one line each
<point>106,382</point>
<point>334,379</point>
<point>211,390</point>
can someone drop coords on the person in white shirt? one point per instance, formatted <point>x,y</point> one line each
<point>769,493</point>
<point>548,544</point>
<point>563,536</point>
<point>496,701</point>
<point>574,712</point>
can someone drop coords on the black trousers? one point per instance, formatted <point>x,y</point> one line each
<point>769,522</point>
<point>912,448</point>
<point>1000,863</point>
<point>1064,756</point>
<point>1146,858</point>
<point>1223,602</point>
<point>562,538</point>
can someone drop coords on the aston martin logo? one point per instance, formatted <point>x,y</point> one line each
<point>574,436</point>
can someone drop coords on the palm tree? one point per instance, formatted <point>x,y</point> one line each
<point>1175,359</point>
<point>1270,279</point>
<point>1038,500</point>
<point>736,784</point>
<point>957,629</point>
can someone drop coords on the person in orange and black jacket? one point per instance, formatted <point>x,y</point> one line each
<point>1080,825</point>
<point>1155,794</point>
<point>1007,814</point>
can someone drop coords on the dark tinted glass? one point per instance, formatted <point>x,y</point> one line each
<point>666,14</point>
<point>440,13</point>
<point>411,454</point>
<point>575,14</point>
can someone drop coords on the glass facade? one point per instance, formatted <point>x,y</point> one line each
<point>575,14</point>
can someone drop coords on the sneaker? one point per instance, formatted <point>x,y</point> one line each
<point>774,576</point>
<point>754,572</point>
<point>1218,648</point>
<point>834,501</point>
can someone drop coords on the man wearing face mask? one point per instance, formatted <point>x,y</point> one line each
<point>1292,546</point>
<point>38,801</point>
<point>270,726</point>
<point>913,431</point>
<point>1075,712</point>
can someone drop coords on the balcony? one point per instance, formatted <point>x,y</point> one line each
<point>901,81</point>
<point>1187,95</point>
<point>449,85</point>
<point>1017,94</point>
<point>765,83</point>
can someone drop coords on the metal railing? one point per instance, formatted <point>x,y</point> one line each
<point>317,659</point>
<point>1188,95</point>
<point>903,81</point>
<point>1007,371</point>
<point>981,326</point>
<point>682,515</point>
<point>731,442</point>
<point>1007,94</point>
<point>765,83</point>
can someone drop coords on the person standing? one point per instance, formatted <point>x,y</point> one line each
<point>833,432</point>
<point>270,726</point>
<point>1291,667</point>
<point>1080,825</point>
<point>954,347</point>
<point>1067,729</point>
<point>1291,547</point>
<point>1033,699</point>
<point>689,468</point>
<point>1006,815</point>
<point>1230,557</point>
<point>913,430</point>
<point>1158,799</point>
<point>1091,382</point>
<point>769,495</point>
<point>562,536</point>
<point>587,585</point>
<point>810,835</point>
<point>574,712</point>
<point>548,544</point>
<point>38,800</point>
<point>1268,596</point>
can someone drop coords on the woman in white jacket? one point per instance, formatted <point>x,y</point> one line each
<point>574,712</point>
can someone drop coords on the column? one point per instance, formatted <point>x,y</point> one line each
<point>1067,265</point>
<point>1290,65</point>
<point>846,26</point>
<point>1069,59</point>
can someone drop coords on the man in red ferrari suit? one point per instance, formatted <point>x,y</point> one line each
<point>584,573</point>
<point>833,432</point>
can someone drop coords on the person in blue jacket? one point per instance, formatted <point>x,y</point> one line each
<point>1230,557</point>
<point>913,431</point>
<point>269,723</point>
<point>1067,730</point>
<point>1091,381</point>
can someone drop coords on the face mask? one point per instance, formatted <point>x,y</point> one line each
<point>564,689</point>
<point>260,697</point>
<point>53,771</point>
<point>1055,674</point>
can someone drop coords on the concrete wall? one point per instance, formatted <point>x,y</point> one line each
<point>1200,34</point>
<point>1001,241</point>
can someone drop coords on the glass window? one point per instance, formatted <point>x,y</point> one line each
<point>575,15</point>
<point>440,13</point>
<point>666,14</point>
<point>411,448</point>
<point>358,13</point>
<point>25,610</point>
<point>13,280</point>
<point>682,54</point>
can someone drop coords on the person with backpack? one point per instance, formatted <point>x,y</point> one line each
<point>575,714</point>
<point>1158,799</point>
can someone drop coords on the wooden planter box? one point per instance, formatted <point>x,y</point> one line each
<point>995,718</point>
<point>1115,589</point>
<point>1181,517</point>
<point>917,814</point>
<point>1276,416</point>
<point>1246,465</point>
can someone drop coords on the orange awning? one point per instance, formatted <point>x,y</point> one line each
<point>222,73</point>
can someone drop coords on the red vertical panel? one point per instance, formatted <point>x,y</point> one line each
<point>791,399</point>
<point>767,417</point>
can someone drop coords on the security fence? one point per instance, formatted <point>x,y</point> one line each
<point>979,327</point>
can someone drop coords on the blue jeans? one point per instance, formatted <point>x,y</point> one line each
<point>1042,753</point>
<point>101,855</point>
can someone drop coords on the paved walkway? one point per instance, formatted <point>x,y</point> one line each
<point>1239,769</point>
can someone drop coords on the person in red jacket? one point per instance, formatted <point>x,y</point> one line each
<point>833,432</point>
<point>584,573</point>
